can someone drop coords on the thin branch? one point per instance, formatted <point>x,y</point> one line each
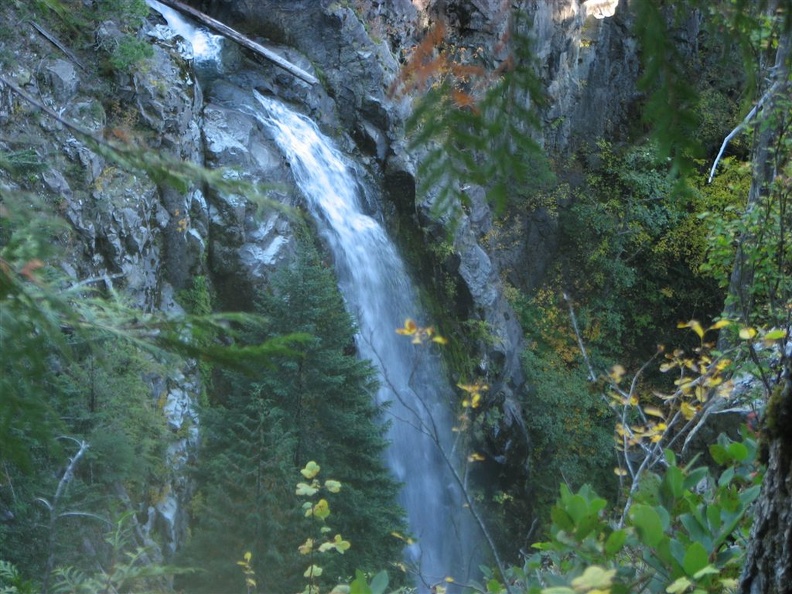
<point>434,435</point>
<point>85,515</point>
<point>592,375</point>
<point>742,125</point>
<point>67,477</point>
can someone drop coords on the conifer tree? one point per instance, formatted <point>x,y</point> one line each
<point>316,406</point>
<point>329,394</point>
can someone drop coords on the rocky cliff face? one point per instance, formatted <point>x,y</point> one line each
<point>150,240</point>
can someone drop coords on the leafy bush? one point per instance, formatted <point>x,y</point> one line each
<point>130,53</point>
<point>688,530</point>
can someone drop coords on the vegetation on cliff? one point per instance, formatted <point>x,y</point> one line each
<point>645,245</point>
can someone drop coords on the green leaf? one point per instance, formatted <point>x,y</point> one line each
<point>714,518</point>
<point>332,486</point>
<point>305,489</point>
<point>695,477</point>
<point>719,454</point>
<point>359,585</point>
<point>562,519</point>
<point>673,482</point>
<point>696,530</point>
<point>615,542</point>
<point>737,451</point>
<point>577,508</point>
<point>379,583</point>
<point>679,585</point>
<point>647,521</point>
<point>775,334</point>
<point>696,559</point>
<point>749,495</point>
<point>726,477</point>
<point>708,570</point>
<point>313,571</point>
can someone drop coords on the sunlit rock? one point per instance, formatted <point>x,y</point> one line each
<point>600,9</point>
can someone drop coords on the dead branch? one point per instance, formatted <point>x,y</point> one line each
<point>54,41</point>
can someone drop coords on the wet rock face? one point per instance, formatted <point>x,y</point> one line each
<point>356,66</point>
<point>590,69</point>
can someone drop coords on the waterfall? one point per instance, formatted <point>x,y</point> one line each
<point>380,296</point>
<point>206,46</point>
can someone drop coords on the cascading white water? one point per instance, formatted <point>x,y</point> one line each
<point>206,46</point>
<point>380,296</point>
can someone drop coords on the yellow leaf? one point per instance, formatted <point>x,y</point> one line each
<point>410,328</point>
<point>305,489</point>
<point>406,539</point>
<point>693,325</point>
<point>654,411</point>
<point>341,545</point>
<point>476,457</point>
<point>617,373</point>
<point>440,340</point>
<point>306,547</point>
<point>594,577</point>
<point>720,324</point>
<point>248,556</point>
<point>332,486</point>
<point>473,388</point>
<point>747,333</point>
<point>321,510</point>
<point>313,571</point>
<point>311,470</point>
<point>688,410</point>
<point>620,471</point>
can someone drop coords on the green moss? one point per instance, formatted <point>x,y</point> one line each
<point>199,300</point>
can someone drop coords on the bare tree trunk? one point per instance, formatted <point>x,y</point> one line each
<point>765,163</point>
<point>768,567</point>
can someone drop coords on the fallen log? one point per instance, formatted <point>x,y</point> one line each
<point>236,36</point>
<point>54,41</point>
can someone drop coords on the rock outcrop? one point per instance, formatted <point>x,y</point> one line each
<point>149,239</point>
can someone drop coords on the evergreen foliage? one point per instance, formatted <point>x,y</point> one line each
<point>316,406</point>
<point>476,127</point>
<point>330,396</point>
<point>632,248</point>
